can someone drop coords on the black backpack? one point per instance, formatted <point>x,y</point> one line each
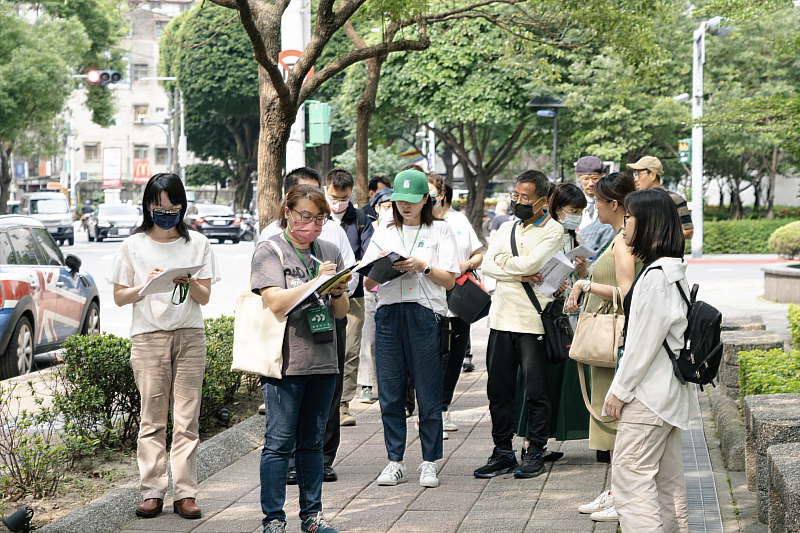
<point>699,359</point>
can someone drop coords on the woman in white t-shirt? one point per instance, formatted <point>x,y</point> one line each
<point>468,252</point>
<point>407,322</point>
<point>168,346</point>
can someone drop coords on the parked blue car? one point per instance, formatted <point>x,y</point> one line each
<point>45,296</point>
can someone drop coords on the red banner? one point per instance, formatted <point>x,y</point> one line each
<point>141,171</point>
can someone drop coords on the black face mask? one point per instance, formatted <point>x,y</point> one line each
<point>524,212</point>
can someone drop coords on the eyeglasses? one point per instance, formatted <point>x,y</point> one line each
<point>625,219</point>
<point>320,220</point>
<point>594,178</point>
<point>524,199</point>
<point>167,212</point>
<point>640,173</point>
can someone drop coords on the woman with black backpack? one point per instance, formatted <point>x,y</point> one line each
<point>646,398</point>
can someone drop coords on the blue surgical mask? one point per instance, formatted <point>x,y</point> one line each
<point>571,222</point>
<point>165,222</point>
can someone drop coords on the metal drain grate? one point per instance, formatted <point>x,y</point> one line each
<point>701,493</point>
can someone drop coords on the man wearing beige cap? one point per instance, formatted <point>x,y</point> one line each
<point>647,173</point>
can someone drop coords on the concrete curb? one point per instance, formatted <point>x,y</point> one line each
<point>730,429</point>
<point>115,509</point>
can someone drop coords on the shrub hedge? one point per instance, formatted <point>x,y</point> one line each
<point>785,240</point>
<point>739,236</point>
<point>769,372</point>
<point>794,324</point>
<point>96,394</point>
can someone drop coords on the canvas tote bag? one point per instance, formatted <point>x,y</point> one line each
<point>596,342</point>
<point>258,335</point>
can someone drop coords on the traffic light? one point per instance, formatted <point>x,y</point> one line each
<point>685,151</point>
<point>102,77</point>
<point>319,129</point>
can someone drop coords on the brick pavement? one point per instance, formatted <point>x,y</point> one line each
<point>462,503</point>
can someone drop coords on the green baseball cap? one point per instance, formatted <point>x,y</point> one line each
<point>410,186</point>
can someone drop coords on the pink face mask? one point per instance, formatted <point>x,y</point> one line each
<point>337,207</point>
<point>305,232</point>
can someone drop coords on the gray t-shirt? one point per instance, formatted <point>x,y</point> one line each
<point>301,357</point>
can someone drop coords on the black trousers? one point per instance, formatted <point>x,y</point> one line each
<point>451,364</point>
<point>330,443</point>
<point>505,353</point>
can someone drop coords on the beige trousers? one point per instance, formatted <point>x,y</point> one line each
<point>648,485</point>
<point>355,323</point>
<point>168,367</point>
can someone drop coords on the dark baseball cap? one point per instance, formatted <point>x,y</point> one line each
<point>589,164</point>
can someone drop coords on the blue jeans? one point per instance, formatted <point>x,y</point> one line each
<point>297,406</point>
<point>407,342</point>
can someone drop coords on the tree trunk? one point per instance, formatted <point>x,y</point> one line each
<point>736,201</point>
<point>242,190</point>
<point>276,125</point>
<point>449,165</point>
<point>324,158</point>
<point>476,185</point>
<point>5,175</point>
<point>216,191</point>
<point>773,173</point>
<point>366,105</point>
<point>757,193</point>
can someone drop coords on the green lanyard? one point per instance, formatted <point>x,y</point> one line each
<point>403,237</point>
<point>312,273</point>
<point>182,293</point>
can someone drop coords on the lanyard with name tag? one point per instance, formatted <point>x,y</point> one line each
<point>320,323</point>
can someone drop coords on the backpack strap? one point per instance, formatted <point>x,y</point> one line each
<point>528,289</point>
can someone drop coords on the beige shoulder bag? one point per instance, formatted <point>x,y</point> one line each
<point>258,335</point>
<point>597,337</point>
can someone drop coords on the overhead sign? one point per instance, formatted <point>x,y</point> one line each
<point>287,60</point>
<point>112,167</point>
<point>20,169</point>
<point>141,171</point>
<point>685,151</point>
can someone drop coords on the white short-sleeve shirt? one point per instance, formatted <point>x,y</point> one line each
<point>434,244</point>
<point>466,239</point>
<point>139,255</point>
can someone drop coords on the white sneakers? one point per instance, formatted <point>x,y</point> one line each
<point>609,514</point>
<point>428,477</point>
<point>395,473</point>
<point>449,425</point>
<point>605,499</point>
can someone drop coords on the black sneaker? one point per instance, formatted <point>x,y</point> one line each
<point>291,476</point>
<point>501,462</point>
<point>468,366</point>
<point>603,456</point>
<point>329,474</point>
<point>532,464</point>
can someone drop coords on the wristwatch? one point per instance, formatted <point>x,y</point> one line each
<point>427,270</point>
<point>586,287</point>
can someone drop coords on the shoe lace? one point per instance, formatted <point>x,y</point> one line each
<point>319,521</point>
<point>427,468</point>
<point>275,526</point>
<point>391,468</point>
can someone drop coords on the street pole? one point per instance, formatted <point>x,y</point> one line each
<point>699,52</point>
<point>182,156</point>
<point>431,155</point>
<point>555,144</point>
<point>295,34</point>
<point>173,165</point>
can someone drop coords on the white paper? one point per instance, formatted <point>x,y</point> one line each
<point>581,251</point>
<point>555,272</point>
<point>163,282</point>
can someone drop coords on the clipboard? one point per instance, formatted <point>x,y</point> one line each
<point>380,270</point>
<point>163,282</point>
<point>321,285</point>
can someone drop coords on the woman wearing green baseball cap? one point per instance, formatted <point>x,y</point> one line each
<point>410,307</point>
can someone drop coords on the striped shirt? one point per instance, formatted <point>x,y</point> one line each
<point>683,211</point>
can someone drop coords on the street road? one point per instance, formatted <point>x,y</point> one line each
<point>97,258</point>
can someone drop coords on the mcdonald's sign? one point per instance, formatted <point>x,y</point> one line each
<point>141,171</point>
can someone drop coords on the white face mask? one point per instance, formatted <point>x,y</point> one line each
<point>386,213</point>
<point>571,222</point>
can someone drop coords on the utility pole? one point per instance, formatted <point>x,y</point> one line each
<point>176,140</point>
<point>295,34</point>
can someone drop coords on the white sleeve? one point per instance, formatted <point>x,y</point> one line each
<point>474,241</point>
<point>371,254</point>
<point>122,272</point>
<point>271,230</point>
<point>447,249</point>
<point>349,258</point>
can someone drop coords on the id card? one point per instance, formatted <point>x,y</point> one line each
<point>411,290</point>
<point>320,324</point>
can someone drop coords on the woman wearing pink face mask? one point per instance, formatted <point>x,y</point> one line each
<point>297,405</point>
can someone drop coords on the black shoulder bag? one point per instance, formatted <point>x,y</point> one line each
<point>557,329</point>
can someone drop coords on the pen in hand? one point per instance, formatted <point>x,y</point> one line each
<point>315,259</point>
